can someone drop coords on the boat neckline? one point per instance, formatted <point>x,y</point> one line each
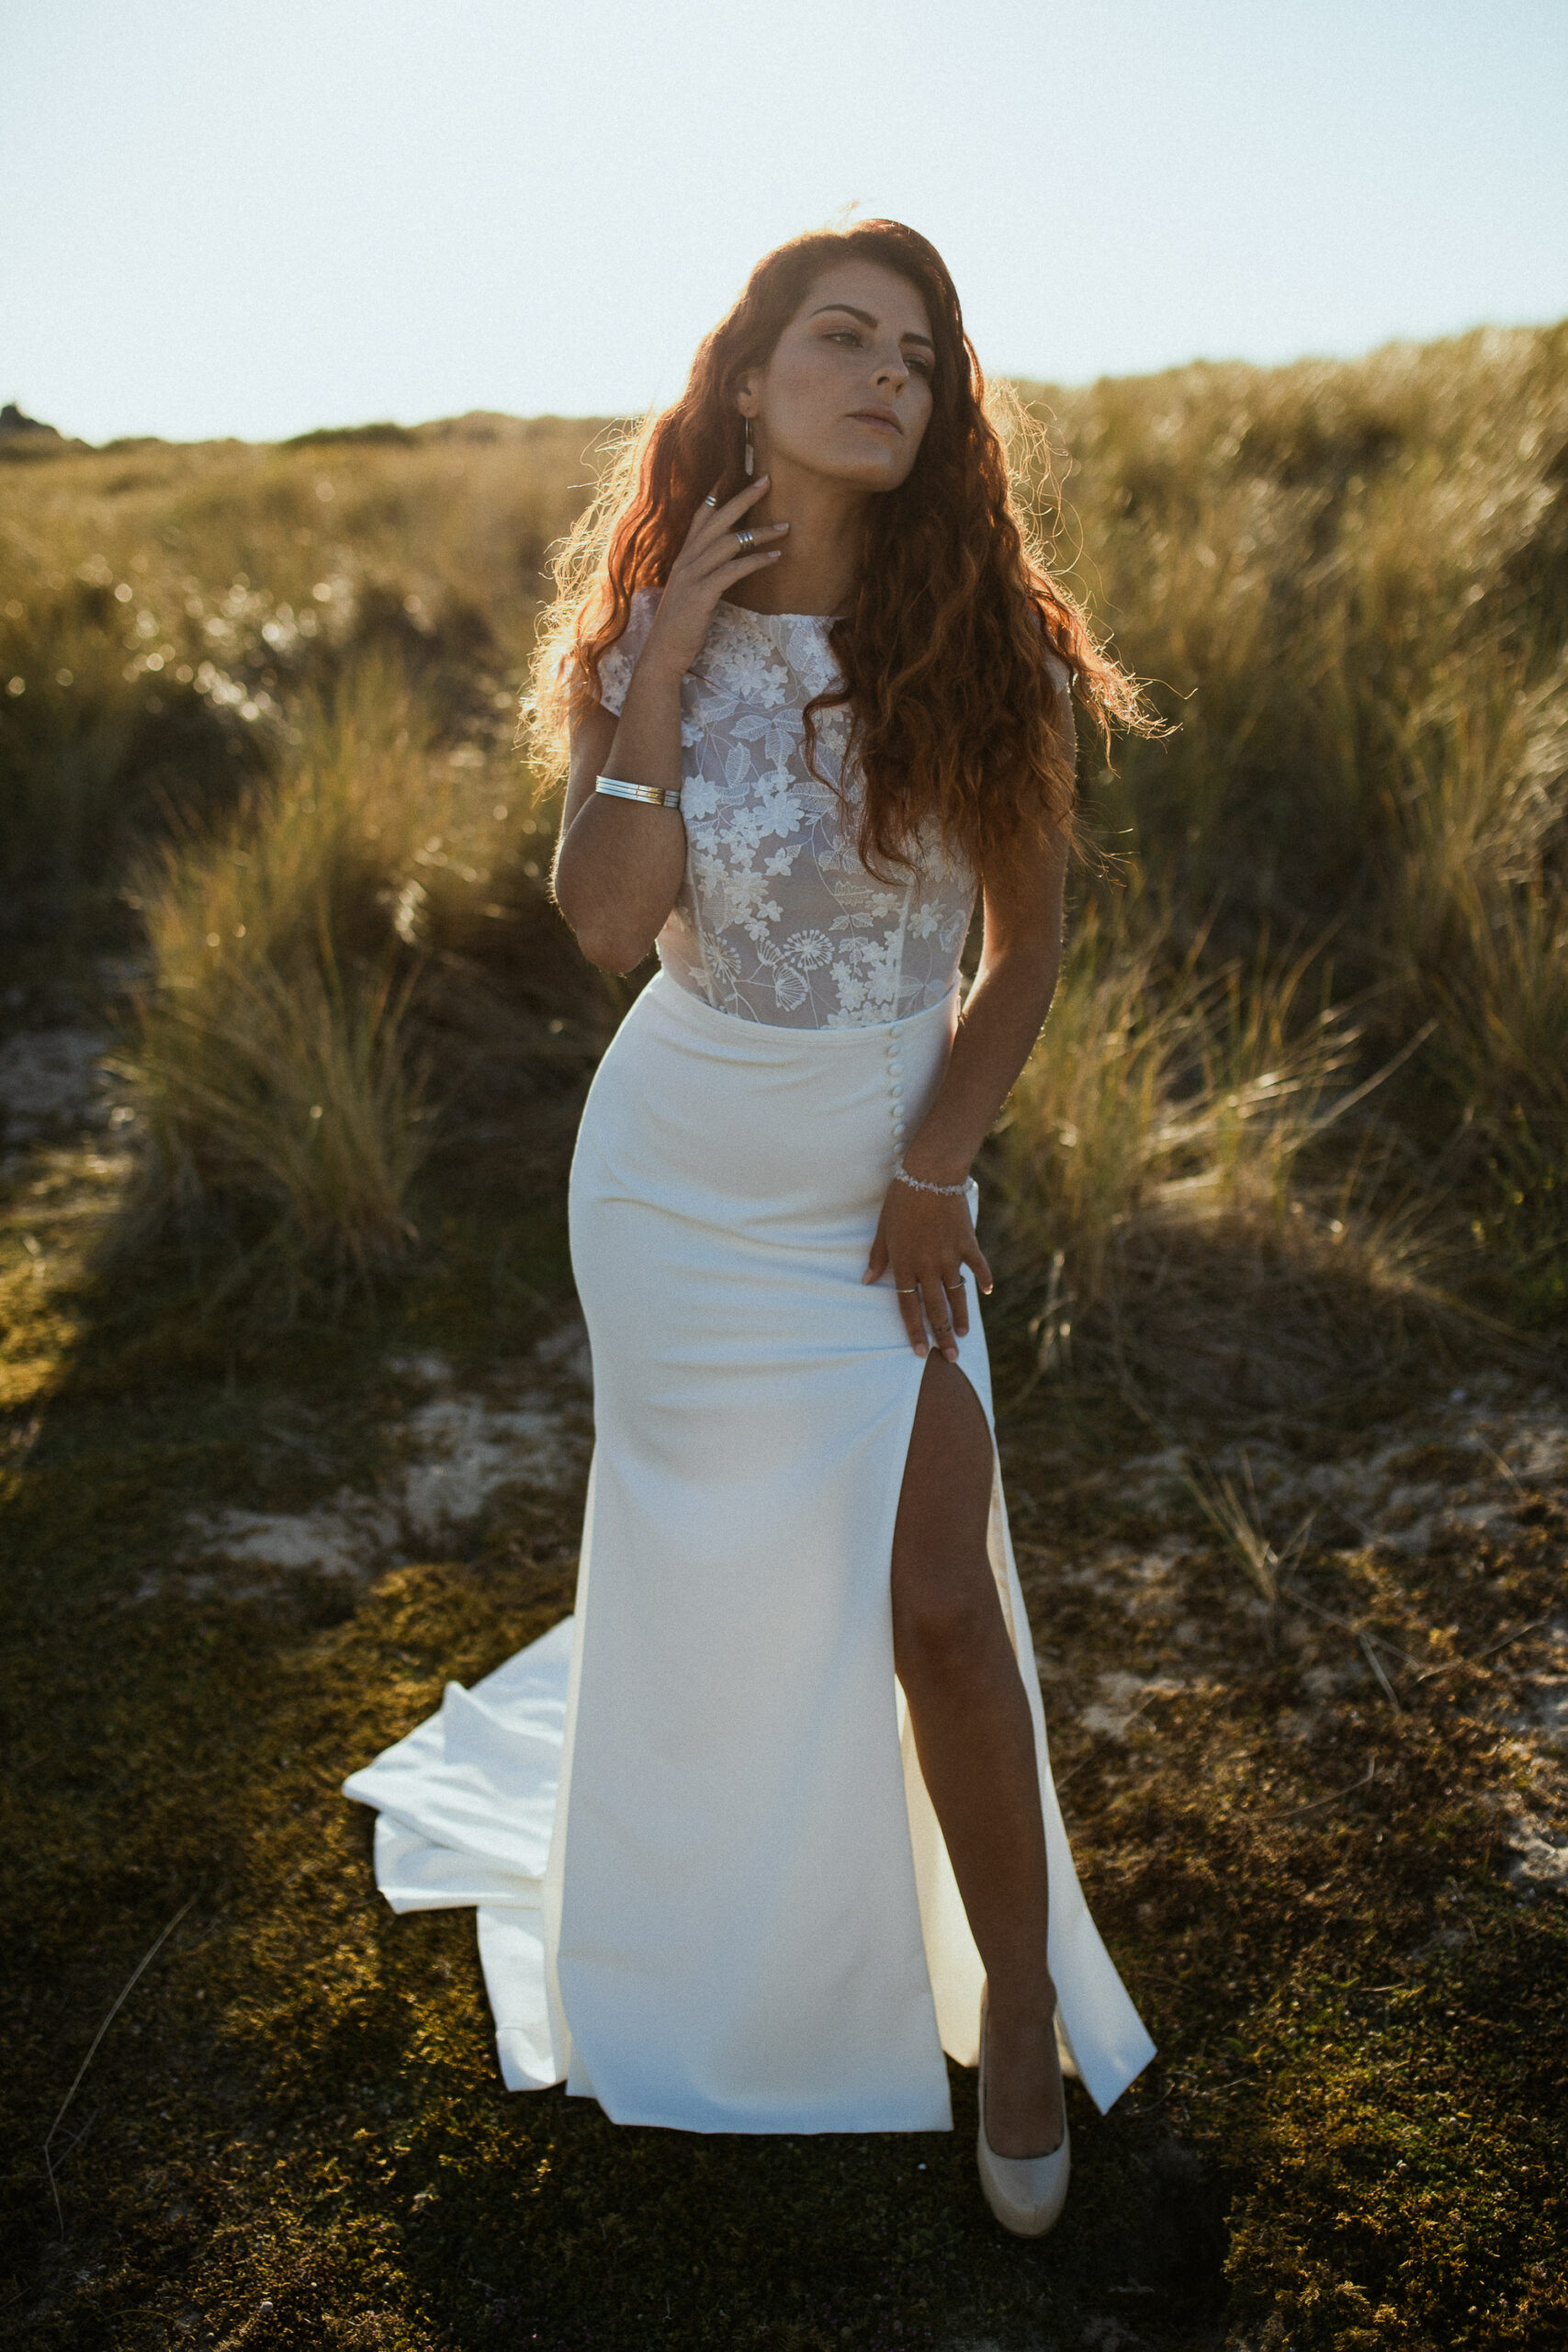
<point>724,605</point>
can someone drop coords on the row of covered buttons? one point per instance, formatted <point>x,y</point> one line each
<point>895,1081</point>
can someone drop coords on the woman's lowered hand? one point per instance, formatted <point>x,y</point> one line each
<point>928,1238</point>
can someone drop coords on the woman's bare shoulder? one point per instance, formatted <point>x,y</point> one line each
<point>1057,669</point>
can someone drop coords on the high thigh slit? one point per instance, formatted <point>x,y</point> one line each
<point>711,1886</point>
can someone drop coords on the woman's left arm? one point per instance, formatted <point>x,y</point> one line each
<point>926,1238</point>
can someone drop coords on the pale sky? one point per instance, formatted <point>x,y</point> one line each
<point>246,219</point>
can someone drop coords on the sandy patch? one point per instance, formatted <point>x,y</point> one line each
<point>49,1079</point>
<point>459,1450</point>
<point>1123,1697</point>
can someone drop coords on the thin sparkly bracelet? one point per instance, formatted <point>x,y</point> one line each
<point>654,794</point>
<point>920,1185</point>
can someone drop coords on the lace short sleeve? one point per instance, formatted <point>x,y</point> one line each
<point>615,667</point>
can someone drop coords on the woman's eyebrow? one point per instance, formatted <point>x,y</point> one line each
<point>867,320</point>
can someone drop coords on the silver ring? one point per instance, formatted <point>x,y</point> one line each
<point>953,1285</point>
<point>745,540</point>
<point>710,502</point>
<point>910,1292</point>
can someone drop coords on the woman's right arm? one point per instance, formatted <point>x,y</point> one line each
<point>619,863</point>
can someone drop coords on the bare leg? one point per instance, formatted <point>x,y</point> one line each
<point>975,1744</point>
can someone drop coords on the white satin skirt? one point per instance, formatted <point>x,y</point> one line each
<point>711,1888</point>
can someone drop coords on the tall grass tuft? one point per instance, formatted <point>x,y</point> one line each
<point>161,609</point>
<point>1477,926</point>
<point>1350,584</point>
<point>1504,1051</point>
<point>1167,1199</point>
<point>282,1108</point>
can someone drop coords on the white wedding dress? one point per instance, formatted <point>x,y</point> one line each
<point>711,1888</point>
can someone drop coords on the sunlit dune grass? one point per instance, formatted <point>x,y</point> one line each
<point>1351,581</point>
<point>1345,582</point>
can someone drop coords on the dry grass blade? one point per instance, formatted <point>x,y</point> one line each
<point>1300,1601</point>
<point>119,1999</point>
<point>1380,1670</point>
<point>1236,1523</point>
<point>1051,1329</point>
<point>1455,1664</point>
<point>1060,1780</point>
<point>1334,1796</point>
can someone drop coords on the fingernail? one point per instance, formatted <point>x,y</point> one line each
<point>774,552</point>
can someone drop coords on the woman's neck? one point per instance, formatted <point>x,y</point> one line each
<point>820,562</point>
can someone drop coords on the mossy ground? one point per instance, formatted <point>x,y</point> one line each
<point>293,2133</point>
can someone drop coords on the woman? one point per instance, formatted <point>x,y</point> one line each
<point>811,693</point>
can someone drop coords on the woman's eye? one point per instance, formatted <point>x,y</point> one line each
<point>835,335</point>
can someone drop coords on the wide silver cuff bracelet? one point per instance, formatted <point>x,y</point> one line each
<point>654,794</point>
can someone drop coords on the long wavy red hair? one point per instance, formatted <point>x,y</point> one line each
<point>953,708</point>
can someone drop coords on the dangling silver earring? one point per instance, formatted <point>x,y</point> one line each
<point>751,460</point>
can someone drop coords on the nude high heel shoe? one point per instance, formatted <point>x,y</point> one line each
<point>1025,2193</point>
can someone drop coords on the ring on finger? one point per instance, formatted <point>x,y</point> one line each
<point>710,500</point>
<point>953,1285</point>
<point>908,1292</point>
<point>745,540</point>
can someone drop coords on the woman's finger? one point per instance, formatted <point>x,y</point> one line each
<point>957,1291</point>
<point>719,563</point>
<point>710,521</point>
<point>908,1292</point>
<point>724,516</point>
<point>735,553</point>
<point>939,1313</point>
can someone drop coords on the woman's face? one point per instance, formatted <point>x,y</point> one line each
<point>848,390</point>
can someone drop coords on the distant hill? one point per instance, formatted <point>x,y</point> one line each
<point>25,437</point>
<point>483,426</point>
<point>13,421</point>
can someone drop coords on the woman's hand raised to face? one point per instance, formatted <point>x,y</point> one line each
<point>709,562</point>
<point>928,1239</point>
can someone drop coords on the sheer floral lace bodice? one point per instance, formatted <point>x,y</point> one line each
<point>777,920</point>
